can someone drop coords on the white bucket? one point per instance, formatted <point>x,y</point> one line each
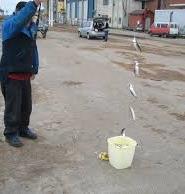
<point>121,151</point>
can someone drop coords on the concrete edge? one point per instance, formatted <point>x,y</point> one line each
<point>126,35</point>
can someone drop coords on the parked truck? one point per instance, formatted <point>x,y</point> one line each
<point>176,16</point>
<point>164,29</point>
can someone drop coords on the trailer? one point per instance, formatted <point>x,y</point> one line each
<point>171,15</point>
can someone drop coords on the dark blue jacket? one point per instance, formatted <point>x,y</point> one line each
<point>17,23</point>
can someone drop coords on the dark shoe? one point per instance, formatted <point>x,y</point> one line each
<point>14,140</point>
<point>28,133</point>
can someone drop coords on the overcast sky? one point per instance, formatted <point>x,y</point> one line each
<point>9,5</point>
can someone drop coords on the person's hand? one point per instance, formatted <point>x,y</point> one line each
<point>38,2</point>
<point>32,77</point>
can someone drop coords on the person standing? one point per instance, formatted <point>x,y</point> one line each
<point>18,66</point>
<point>106,30</point>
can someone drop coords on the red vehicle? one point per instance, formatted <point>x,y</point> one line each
<point>164,29</point>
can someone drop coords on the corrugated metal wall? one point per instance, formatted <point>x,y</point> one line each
<point>85,10</point>
<point>78,10</point>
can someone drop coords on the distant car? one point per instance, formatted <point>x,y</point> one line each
<point>164,29</point>
<point>92,29</point>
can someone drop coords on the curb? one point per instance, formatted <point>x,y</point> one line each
<point>126,35</point>
<point>139,37</point>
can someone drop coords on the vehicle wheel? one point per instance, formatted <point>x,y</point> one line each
<point>88,36</point>
<point>79,35</point>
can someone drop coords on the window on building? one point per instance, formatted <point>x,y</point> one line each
<point>143,4</point>
<point>105,2</point>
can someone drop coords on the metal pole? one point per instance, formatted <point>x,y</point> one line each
<point>77,14</point>
<point>65,3</point>
<point>82,12</point>
<point>51,13</point>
